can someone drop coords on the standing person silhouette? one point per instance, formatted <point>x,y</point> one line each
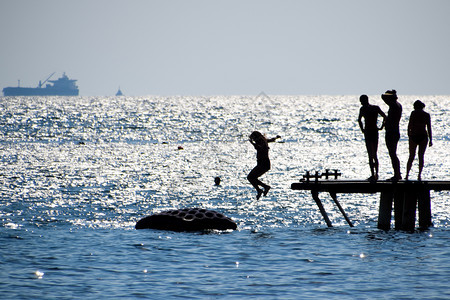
<point>260,142</point>
<point>370,129</point>
<point>419,130</point>
<point>392,126</point>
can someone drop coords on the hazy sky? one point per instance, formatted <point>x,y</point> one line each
<point>183,47</point>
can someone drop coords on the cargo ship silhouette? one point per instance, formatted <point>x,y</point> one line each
<point>63,86</point>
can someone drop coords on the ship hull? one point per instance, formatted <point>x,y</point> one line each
<point>23,91</point>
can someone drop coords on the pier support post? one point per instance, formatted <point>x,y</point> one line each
<point>424,206</point>
<point>315,195</point>
<point>333,195</point>
<point>399,199</point>
<point>385,211</point>
<point>409,209</point>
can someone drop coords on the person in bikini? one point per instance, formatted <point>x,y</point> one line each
<point>370,129</point>
<point>261,144</point>
<point>419,132</point>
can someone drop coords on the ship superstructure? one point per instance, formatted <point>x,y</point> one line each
<point>63,86</point>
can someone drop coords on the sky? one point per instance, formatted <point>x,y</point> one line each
<point>229,47</point>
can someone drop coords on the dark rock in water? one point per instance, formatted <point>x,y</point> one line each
<point>187,219</point>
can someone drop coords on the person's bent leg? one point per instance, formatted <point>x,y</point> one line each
<point>252,177</point>
<point>422,148</point>
<point>412,155</point>
<point>255,182</point>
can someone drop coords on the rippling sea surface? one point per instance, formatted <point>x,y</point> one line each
<point>78,172</point>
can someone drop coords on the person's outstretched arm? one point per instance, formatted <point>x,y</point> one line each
<point>273,139</point>
<point>430,135</point>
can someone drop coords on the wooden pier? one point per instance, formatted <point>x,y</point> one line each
<point>406,195</point>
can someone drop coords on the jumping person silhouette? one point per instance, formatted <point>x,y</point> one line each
<point>260,142</point>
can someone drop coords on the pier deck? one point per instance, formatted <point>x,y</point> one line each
<point>406,195</point>
<point>365,186</point>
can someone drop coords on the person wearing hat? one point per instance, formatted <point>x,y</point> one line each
<point>370,129</point>
<point>419,131</point>
<point>392,127</point>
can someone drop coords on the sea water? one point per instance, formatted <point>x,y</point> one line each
<point>78,172</point>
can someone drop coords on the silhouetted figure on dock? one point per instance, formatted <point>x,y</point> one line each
<point>419,131</point>
<point>370,129</point>
<point>260,142</point>
<point>392,126</point>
